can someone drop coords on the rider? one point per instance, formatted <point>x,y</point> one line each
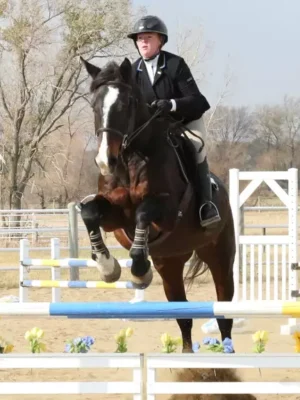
<point>168,85</point>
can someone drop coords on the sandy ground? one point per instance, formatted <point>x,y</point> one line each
<point>57,331</point>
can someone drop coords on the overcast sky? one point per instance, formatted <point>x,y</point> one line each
<point>258,39</point>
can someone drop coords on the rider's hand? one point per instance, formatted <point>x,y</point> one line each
<point>162,105</point>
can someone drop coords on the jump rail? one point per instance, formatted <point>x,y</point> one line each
<point>56,263</point>
<point>155,310</point>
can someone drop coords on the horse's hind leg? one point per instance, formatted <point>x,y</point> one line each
<point>171,271</point>
<point>220,260</point>
<point>225,289</point>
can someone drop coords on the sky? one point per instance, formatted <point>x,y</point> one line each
<point>257,41</point>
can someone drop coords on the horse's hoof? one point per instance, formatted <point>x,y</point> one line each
<point>109,268</point>
<point>143,280</point>
<point>187,350</point>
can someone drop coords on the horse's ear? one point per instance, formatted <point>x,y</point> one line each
<point>126,70</point>
<point>93,70</point>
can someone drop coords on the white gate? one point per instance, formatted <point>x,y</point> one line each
<point>261,259</point>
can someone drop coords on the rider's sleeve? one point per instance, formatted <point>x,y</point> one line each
<point>190,104</point>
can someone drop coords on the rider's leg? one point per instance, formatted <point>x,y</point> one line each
<point>208,211</point>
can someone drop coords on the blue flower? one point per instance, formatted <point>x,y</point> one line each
<point>88,341</point>
<point>228,349</point>
<point>77,340</point>
<point>196,347</point>
<point>67,348</point>
<point>227,342</point>
<point>206,340</point>
<point>213,342</point>
<point>79,344</point>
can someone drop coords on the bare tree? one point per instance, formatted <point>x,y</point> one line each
<point>269,125</point>
<point>228,138</point>
<point>224,92</point>
<point>278,127</point>
<point>190,45</point>
<point>41,79</point>
<point>231,124</point>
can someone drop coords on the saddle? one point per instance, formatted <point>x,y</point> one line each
<point>185,152</point>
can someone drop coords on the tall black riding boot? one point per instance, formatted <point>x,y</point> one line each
<point>208,211</point>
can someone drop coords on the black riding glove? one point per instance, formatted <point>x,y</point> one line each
<point>162,105</point>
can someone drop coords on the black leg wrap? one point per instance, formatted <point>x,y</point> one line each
<point>98,245</point>
<point>140,243</point>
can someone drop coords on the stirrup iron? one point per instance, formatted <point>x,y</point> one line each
<point>212,220</point>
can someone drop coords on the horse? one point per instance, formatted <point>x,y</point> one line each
<point>146,197</point>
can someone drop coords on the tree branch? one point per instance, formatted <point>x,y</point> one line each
<point>3,98</point>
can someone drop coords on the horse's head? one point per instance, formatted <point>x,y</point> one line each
<point>114,104</point>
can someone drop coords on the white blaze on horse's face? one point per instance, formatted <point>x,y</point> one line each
<point>102,156</point>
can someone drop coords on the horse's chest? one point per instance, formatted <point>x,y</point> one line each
<point>138,192</point>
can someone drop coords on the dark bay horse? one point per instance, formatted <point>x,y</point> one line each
<point>147,200</point>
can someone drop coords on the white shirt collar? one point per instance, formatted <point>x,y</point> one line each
<point>152,62</point>
<point>151,66</point>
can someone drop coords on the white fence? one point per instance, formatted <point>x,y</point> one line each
<point>151,363</point>
<point>73,361</point>
<point>268,251</point>
<point>219,361</point>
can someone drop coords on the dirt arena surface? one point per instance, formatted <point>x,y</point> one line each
<point>57,331</point>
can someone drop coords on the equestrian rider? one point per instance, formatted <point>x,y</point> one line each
<point>168,85</point>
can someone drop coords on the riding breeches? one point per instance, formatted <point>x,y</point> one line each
<point>197,127</point>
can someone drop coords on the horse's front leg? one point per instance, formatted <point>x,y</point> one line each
<point>150,210</point>
<point>94,214</point>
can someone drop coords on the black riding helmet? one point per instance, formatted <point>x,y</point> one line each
<point>149,23</point>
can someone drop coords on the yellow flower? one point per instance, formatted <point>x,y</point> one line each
<point>120,335</point>
<point>165,338</point>
<point>9,348</point>
<point>256,336</point>
<point>297,348</point>
<point>28,335</point>
<point>122,332</point>
<point>296,336</point>
<point>37,333</point>
<point>116,336</point>
<point>260,336</point>
<point>264,336</point>
<point>40,333</point>
<point>129,332</point>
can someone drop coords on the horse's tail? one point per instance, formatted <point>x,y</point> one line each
<point>196,268</point>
